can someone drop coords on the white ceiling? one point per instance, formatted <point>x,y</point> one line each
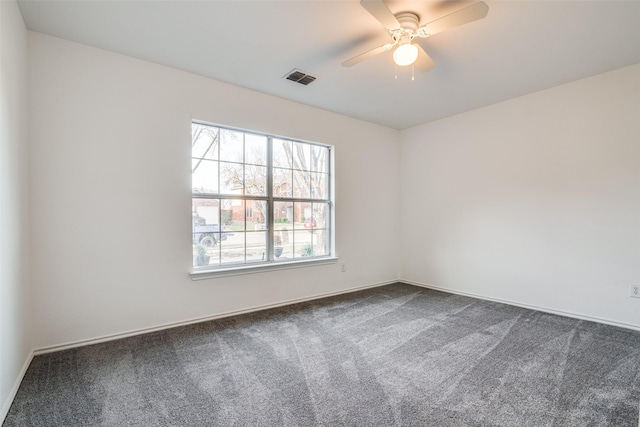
<point>519,48</point>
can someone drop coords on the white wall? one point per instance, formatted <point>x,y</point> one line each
<point>15,325</point>
<point>535,200</point>
<point>111,194</point>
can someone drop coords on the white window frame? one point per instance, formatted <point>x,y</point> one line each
<point>271,263</point>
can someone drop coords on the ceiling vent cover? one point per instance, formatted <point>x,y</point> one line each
<point>299,76</point>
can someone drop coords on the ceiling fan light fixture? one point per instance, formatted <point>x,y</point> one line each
<point>405,54</point>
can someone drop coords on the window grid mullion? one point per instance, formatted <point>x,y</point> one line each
<point>270,221</point>
<point>300,200</point>
<point>218,160</point>
<point>219,236</point>
<point>293,230</point>
<point>226,196</point>
<point>244,214</point>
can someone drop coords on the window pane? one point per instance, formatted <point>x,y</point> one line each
<point>282,183</point>
<point>206,233</point>
<point>303,244</point>
<point>256,246</point>
<point>301,156</point>
<point>257,220</point>
<point>282,241</point>
<point>231,178</point>
<point>283,212</point>
<point>282,153</point>
<point>319,185</point>
<point>255,180</point>
<point>232,212</point>
<point>319,159</point>
<point>320,242</point>
<point>301,184</point>
<point>204,176</point>
<point>231,145</point>
<point>320,233</point>
<point>320,215</point>
<point>205,211</point>
<point>204,141</point>
<point>255,149</point>
<point>232,248</point>
<point>204,257</point>
<point>304,216</point>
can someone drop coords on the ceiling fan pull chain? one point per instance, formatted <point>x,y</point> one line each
<point>413,69</point>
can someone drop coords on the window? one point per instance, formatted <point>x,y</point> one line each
<point>258,199</point>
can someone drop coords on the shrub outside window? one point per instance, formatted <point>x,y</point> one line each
<point>258,199</point>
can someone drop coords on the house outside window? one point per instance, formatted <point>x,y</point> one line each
<point>258,199</point>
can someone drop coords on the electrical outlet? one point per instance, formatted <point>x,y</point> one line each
<point>343,268</point>
<point>634,291</point>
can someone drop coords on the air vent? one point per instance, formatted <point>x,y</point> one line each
<point>298,76</point>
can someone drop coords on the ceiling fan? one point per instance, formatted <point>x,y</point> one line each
<point>403,27</point>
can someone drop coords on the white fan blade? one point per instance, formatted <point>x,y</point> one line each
<point>367,55</point>
<point>463,16</point>
<point>381,12</point>
<point>424,62</point>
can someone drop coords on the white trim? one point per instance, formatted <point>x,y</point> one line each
<point>529,306</point>
<point>141,331</point>
<point>14,390</point>
<point>251,269</point>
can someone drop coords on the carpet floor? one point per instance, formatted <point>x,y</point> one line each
<point>396,355</point>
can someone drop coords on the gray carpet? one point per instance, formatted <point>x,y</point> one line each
<point>397,355</point>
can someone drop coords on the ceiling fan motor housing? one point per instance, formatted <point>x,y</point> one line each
<point>409,23</point>
<point>408,20</point>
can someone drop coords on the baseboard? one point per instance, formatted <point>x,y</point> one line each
<point>523,305</point>
<point>112,337</point>
<point>6,405</point>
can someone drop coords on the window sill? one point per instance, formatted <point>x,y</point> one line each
<point>251,269</point>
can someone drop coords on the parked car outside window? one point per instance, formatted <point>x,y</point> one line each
<point>207,234</point>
